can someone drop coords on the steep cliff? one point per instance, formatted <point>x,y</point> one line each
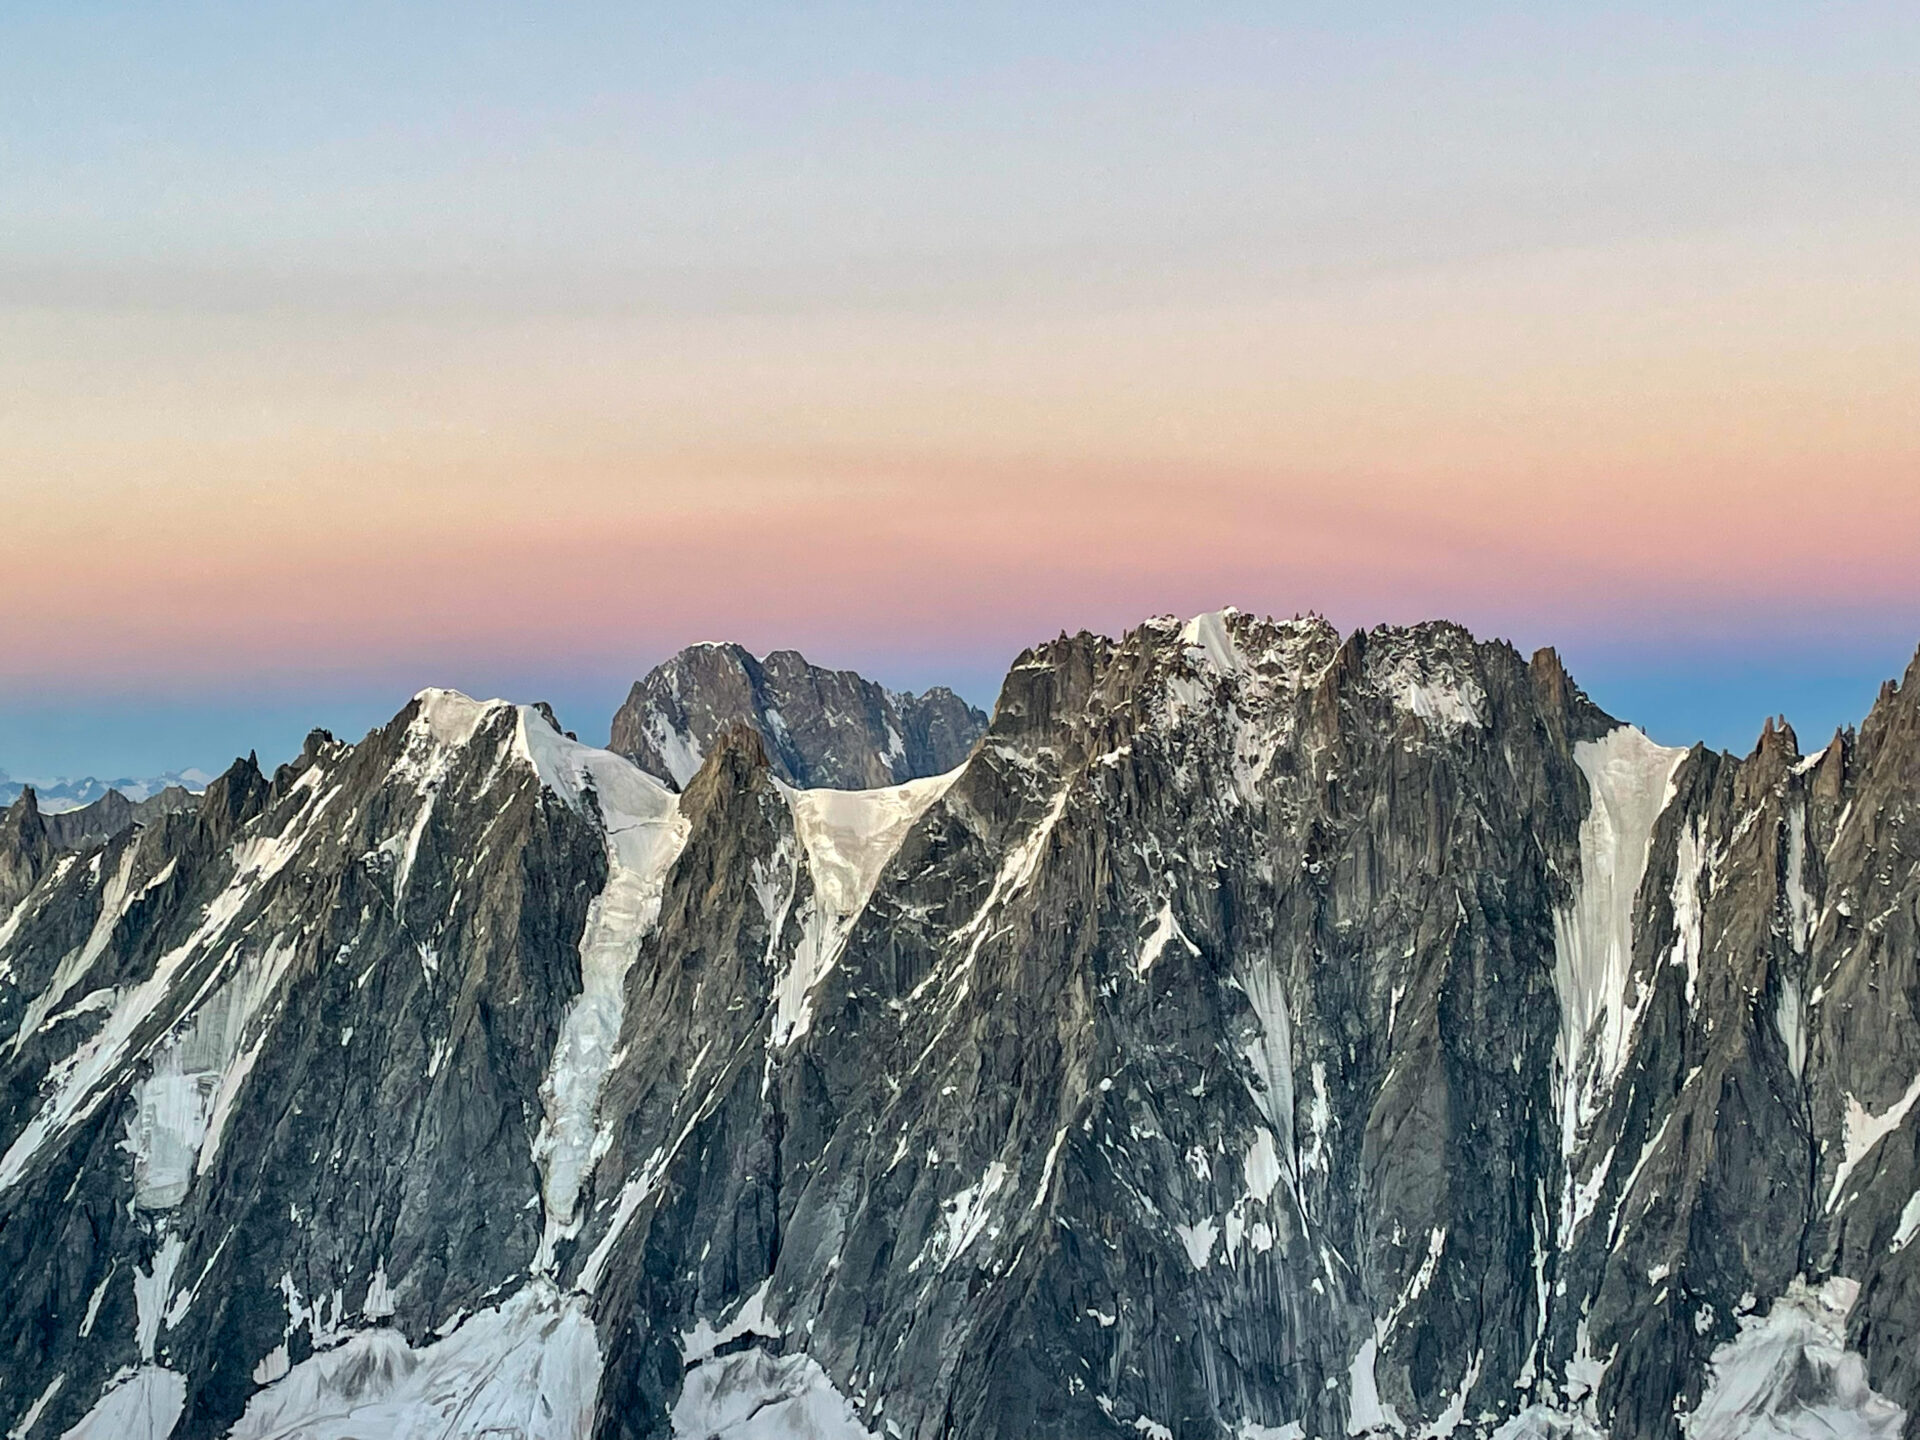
<point>1262,1034</point>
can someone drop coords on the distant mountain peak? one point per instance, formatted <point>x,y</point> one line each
<point>831,729</point>
<point>63,793</point>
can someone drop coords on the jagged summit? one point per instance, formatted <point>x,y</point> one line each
<point>1258,1032</point>
<point>1264,670</point>
<point>821,728</point>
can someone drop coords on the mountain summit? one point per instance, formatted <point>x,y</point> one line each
<point>820,728</point>
<point>1260,1034</point>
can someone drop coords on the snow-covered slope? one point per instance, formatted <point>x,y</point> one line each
<point>1263,1033</point>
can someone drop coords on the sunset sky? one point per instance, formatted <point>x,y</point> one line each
<point>348,349</point>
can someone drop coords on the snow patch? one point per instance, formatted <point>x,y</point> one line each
<point>1545,1422</point>
<point>1584,1370</point>
<point>1647,1152</point>
<point>849,836</point>
<point>1422,1278</point>
<point>1198,1239</point>
<point>171,1131</point>
<point>1269,1051</point>
<point>277,1362</point>
<point>145,1406</point>
<point>1908,1226</point>
<point>1319,1118</point>
<point>1790,1376</point>
<point>529,1368</point>
<point>1047,1168</point>
<point>93,1301</point>
<point>1165,928</point>
<point>1262,1165</point>
<point>1690,870</point>
<point>700,1342</point>
<point>1587,1197</point>
<point>676,749</point>
<point>633,1194</point>
<point>1015,874</point>
<point>85,1076</point>
<point>967,1214</point>
<point>1210,643</point>
<point>644,834</point>
<point>1866,1130</point>
<point>151,1289</point>
<point>381,1302</point>
<point>30,905</point>
<point>1799,904</point>
<point>34,1411</point>
<point>1812,761</point>
<point>1442,698</point>
<point>1455,1413</point>
<point>1367,1413</point>
<point>116,898</point>
<point>1630,782</point>
<point>757,1396</point>
<point>1790,1020</point>
<point>450,718</point>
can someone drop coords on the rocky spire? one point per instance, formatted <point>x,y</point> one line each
<point>25,848</point>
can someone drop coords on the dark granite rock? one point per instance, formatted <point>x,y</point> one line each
<point>819,727</point>
<point>1263,1033</point>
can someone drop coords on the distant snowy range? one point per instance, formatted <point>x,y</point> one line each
<point>63,793</point>
<point>1248,1031</point>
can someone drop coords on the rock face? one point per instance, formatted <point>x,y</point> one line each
<point>25,848</point>
<point>1263,1034</point>
<point>112,813</point>
<point>30,840</point>
<point>819,728</point>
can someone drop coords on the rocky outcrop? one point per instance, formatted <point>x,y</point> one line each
<point>820,728</point>
<point>1264,1033</point>
<point>25,848</point>
<point>112,813</point>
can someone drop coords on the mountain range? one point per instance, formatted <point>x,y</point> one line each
<point>63,794</point>
<point>819,728</point>
<point>1250,1031</point>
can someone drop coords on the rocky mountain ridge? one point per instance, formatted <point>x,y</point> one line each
<point>827,728</point>
<point>1263,1033</point>
<point>30,839</point>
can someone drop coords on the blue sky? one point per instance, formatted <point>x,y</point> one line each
<point>356,348</point>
